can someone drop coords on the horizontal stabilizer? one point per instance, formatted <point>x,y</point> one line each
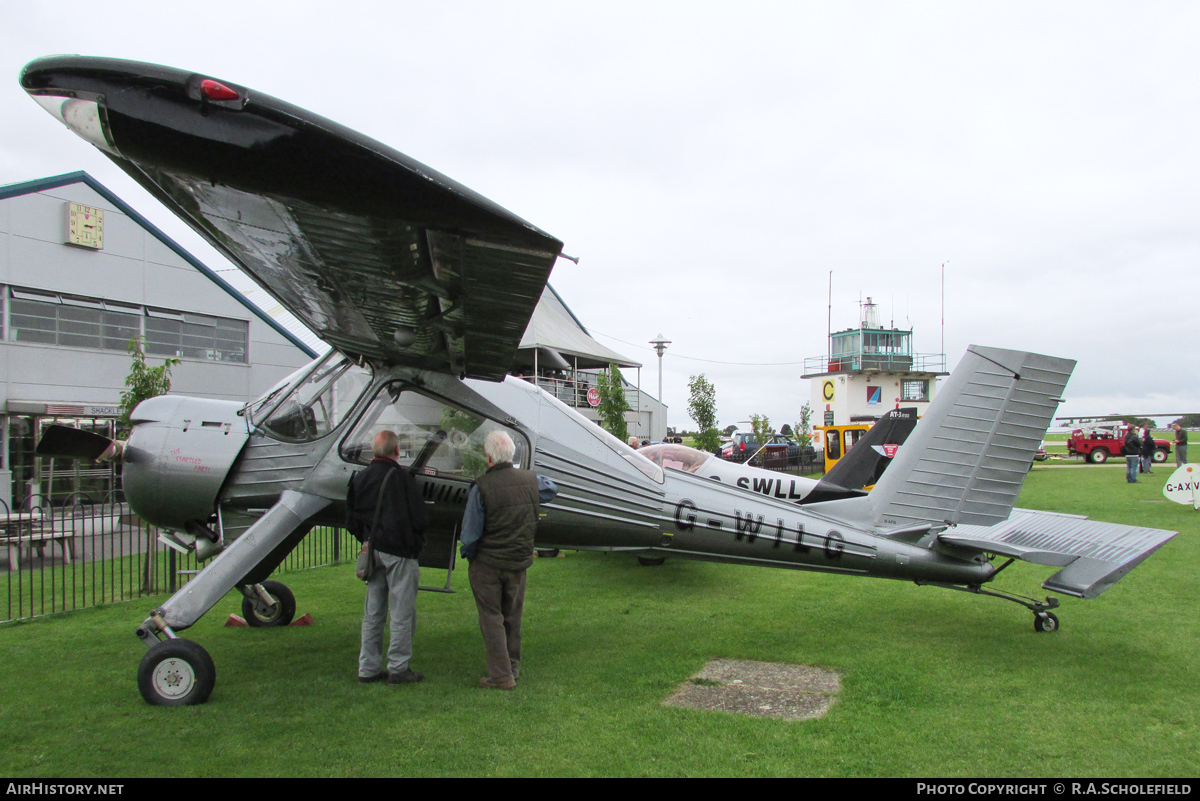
<point>1093,555</point>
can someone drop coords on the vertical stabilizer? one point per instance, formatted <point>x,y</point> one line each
<point>968,456</point>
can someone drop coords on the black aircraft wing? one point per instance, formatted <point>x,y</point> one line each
<point>378,254</point>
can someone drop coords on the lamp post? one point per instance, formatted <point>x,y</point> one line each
<point>660,345</point>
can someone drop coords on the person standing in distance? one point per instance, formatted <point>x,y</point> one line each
<point>1180,445</point>
<point>497,539</point>
<point>399,537</point>
<point>1132,450</point>
<point>1148,449</point>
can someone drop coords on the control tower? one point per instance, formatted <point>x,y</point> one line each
<point>869,370</point>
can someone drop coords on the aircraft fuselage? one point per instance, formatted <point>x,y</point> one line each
<point>190,459</point>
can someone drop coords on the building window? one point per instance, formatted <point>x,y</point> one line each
<point>195,336</point>
<point>914,389</point>
<point>78,322</point>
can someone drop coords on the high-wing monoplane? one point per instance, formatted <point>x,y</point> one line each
<point>423,288</point>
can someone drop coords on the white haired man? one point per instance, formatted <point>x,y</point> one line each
<point>497,539</point>
<point>387,492</point>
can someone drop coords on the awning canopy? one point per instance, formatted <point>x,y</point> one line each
<point>554,330</point>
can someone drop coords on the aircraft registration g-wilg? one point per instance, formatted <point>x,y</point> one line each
<point>424,288</point>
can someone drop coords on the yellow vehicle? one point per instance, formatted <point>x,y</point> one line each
<point>839,439</point>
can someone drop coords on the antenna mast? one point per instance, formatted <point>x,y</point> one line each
<point>829,320</point>
<point>943,315</point>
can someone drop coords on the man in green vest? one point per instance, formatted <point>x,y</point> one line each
<point>497,539</point>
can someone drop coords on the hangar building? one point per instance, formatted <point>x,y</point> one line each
<point>81,274</point>
<point>562,357</point>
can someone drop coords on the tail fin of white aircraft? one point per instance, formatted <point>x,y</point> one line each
<point>969,455</point>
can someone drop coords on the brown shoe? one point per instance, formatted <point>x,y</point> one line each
<point>506,684</point>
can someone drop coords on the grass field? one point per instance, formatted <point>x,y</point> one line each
<point>934,683</point>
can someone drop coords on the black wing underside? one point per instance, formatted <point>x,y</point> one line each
<point>379,255</point>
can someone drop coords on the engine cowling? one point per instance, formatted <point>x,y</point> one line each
<point>178,455</point>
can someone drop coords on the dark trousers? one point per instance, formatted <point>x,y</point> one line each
<point>500,599</point>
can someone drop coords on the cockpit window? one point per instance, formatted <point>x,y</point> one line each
<point>679,457</point>
<point>318,403</point>
<point>436,437</point>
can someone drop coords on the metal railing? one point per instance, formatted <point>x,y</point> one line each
<point>574,391</point>
<point>881,362</point>
<point>80,553</point>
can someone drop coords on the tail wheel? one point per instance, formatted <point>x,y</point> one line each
<point>1098,456</point>
<point>651,561</point>
<point>263,615</point>
<point>1045,622</point>
<point>176,673</point>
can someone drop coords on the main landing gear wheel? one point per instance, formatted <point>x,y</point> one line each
<point>263,615</point>
<point>176,673</point>
<point>1045,622</point>
<point>1098,456</point>
<point>651,561</point>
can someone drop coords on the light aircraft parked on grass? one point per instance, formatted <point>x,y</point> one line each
<point>424,289</point>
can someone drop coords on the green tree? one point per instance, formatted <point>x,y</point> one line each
<point>702,407</point>
<point>786,430</point>
<point>143,382</point>
<point>728,430</point>
<point>613,403</point>
<point>1188,421</point>
<point>804,427</point>
<point>761,426</point>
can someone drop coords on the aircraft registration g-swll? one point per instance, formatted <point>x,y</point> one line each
<point>424,288</point>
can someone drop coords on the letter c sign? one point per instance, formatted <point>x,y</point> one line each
<point>827,391</point>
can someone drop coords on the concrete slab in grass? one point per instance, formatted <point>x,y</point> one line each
<point>760,689</point>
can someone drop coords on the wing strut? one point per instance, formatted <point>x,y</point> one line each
<point>230,568</point>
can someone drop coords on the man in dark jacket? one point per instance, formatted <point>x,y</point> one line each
<point>398,536</point>
<point>1148,449</point>
<point>1132,450</point>
<point>497,538</point>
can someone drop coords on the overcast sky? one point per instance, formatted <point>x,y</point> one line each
<point>712,164</point>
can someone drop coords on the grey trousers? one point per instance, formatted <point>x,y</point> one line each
<point>391,591</point>
<point>1180,455</point>
<point>500,599</point>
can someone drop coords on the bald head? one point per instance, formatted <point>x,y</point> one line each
<point>386,445</point>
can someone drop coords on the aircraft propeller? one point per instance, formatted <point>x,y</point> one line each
<point>74,443</point>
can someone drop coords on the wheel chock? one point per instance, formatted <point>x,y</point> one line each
<point>234,622</point>
<point>303,621</point>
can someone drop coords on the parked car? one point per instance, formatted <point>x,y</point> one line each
<point>779,450</point>
<point>1100,441</point>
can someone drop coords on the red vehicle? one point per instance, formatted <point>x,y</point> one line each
<point>1097,442</point>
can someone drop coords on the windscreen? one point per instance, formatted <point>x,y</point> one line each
<point>436,436</point>
<point>318,402</point>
